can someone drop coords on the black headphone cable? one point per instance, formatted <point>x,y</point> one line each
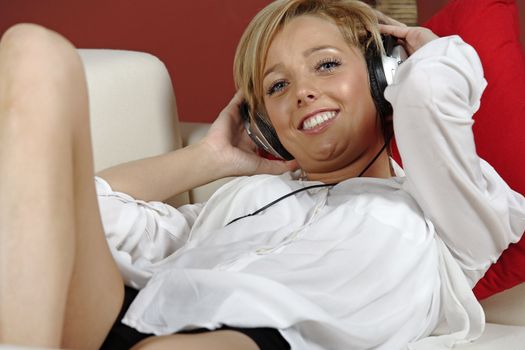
<point>312,186</point>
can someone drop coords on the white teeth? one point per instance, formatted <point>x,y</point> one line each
<point>317,119</point>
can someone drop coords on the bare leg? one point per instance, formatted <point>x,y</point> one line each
<point>59,285</point>
<point>218,340</point>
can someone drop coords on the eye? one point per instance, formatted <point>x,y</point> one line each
<point>276,86</point>
<point>327,65</point>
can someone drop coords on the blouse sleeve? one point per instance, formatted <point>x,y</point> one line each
<point>141,234</point>
<point>434,95</point>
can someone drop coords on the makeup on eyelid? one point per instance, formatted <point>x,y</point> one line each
<point>336,62</point>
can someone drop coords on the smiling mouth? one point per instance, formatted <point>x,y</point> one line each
<point>318,121</point>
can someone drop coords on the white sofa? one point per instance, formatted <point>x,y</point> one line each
<point>134,115</point>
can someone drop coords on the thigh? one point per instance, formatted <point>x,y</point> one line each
<point>46,96</point>
<point>217,340</point>
<point>96,289</point>
<point>226,337</point>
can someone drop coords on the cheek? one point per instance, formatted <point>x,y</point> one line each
<point>354,92</point>
<point>358,98</point>
<point>353,86</point>
<point>277,114</point>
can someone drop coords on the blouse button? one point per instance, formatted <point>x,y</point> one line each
<point>262,250</point>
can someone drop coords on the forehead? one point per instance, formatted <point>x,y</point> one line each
<point>303,33</point>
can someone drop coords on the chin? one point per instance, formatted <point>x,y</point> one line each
<point>327,152</point>
<point>323,165</point>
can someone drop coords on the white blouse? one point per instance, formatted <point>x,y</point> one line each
<point>366,264</point>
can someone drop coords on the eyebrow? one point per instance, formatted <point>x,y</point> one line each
<point>306,53</point>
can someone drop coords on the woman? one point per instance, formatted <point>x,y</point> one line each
<point>327,268</point>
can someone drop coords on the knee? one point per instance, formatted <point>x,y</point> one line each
<point>38,65</point>
<point>21,32</point>
<point>33,51</point>
<point>40,71</point>
<point>34,39</point>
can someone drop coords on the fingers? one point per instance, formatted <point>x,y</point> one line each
<point>400,32</point>
<point>237,98</point>
<point>231,111</point>
<point>235,101</point>
<point>412,38</point>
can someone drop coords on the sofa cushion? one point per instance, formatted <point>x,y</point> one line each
<point>497,336</point>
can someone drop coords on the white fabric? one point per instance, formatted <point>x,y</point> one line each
<point>369,263</point>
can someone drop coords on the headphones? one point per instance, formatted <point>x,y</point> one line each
<point>381,71</point>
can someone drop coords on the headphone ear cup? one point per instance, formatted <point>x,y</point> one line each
<point>262,133</point>
<point>378,81</point>
<point>269,133</point>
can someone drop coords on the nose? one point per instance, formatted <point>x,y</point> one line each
<point>306,93</point>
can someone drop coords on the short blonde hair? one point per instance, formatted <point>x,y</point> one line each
<point>356,20</point>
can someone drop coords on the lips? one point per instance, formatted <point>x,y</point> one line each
<point>317,120</point>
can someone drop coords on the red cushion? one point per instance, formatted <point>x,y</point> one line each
<point>492,28</point>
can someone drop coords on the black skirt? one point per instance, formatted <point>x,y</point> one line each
<point>123,337</point>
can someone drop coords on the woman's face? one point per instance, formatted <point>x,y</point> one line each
<point>317,96</point>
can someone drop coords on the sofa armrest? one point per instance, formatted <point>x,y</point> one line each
<point>132,108</point>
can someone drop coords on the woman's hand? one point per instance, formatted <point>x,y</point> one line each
<point>412,38</point>
<point>230,145</point>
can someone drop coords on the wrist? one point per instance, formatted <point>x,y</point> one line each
<point>211,159</point>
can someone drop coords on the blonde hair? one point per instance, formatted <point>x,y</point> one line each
<point>355,19</point>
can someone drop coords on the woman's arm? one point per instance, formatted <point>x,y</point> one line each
<point>435,94</point>
<point>225,151</point>
<point>160,177</point>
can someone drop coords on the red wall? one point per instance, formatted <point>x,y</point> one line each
<point>195,39</point>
